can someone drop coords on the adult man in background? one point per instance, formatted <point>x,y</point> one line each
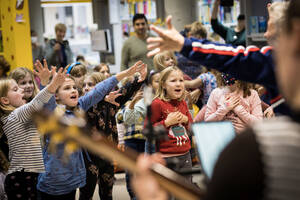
<point>58,52</point>
<point>135,47</point>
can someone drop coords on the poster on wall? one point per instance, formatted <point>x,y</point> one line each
<point>19,4</point>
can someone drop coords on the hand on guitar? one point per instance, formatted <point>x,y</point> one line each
<point>144,184</point>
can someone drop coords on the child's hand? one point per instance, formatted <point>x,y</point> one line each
<point>173,118</point>
<point>269,113</point>
<point>121,147</point>
<point>42,71</point>
<point>57,80</point>
<point>137,96</point>
<point>195,95</point>
<point>184,119</point>
<point>231,102</point>
<point>139,66</point>
<point>143,74</point>
<point>111,97</point>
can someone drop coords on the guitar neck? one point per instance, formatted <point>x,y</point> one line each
<point>174,183</point>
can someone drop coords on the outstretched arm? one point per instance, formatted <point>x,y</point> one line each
<point>251,64</point>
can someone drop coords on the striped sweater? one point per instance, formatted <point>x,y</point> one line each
<point>279,143</point>
<point>25,150</point>
<point>262,163</point>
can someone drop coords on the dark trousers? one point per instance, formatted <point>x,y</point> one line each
<point>184,163</point>
<point>46,196</point>
<point>139,146</point>
<point>98,170</point>
<point>21,185</point>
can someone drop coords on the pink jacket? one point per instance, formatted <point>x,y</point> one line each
<point>247,112</point>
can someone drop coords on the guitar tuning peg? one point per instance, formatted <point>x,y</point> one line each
<point>55,139</point>
<point>70,148</point>
<point>46,126</point>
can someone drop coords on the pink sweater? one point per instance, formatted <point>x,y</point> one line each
<point>247,112</point>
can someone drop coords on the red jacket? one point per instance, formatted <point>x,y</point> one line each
<point>179,141</point>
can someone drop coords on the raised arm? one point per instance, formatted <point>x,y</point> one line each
<point>251,64</point>
<point>25,112</point>
<point>216,26</point>
<point>102,88</point>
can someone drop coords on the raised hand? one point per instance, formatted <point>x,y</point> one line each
<point>42,71</point>
<point>143,74</point>
<point>139,66</point>
<point>111,97</point>
<point>169,39</point>
<point>137,97</point>
<point>57,80</point>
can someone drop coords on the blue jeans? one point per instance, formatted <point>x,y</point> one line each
<point>139,146</point>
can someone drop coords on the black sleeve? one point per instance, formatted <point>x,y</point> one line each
<point>219,28</point>
<point>128,90</point>
<point>238,174</point>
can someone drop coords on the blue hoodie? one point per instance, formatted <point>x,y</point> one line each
<point>62,178</point>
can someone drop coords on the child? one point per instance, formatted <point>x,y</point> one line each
<point>170,110</point>
<point>103,69</point>
<point>102,118</point>
<point>25,153</point>
<point>25,80</point>
<point>135,113</point>
<point>208,82</point>
<point>61,180</point>
<point>235,102</point>
<point>77,71</point>
<point>164,60</point>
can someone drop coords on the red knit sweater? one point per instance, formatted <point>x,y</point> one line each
<point>178,142</point>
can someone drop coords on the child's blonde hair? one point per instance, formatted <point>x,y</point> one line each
<point>4,88</point>
<point>20,73</point>
<point>158,60</point>
<point>96,77</point>
<point>161,92</point>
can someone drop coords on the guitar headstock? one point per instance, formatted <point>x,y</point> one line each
<point>59,128</point>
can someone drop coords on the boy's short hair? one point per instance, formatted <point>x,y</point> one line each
<point>61,27</point>
<point>139,16</point>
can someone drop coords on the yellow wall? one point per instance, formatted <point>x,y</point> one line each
<point>16,35</point>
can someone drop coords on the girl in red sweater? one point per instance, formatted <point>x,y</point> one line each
<point>170,110</point>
